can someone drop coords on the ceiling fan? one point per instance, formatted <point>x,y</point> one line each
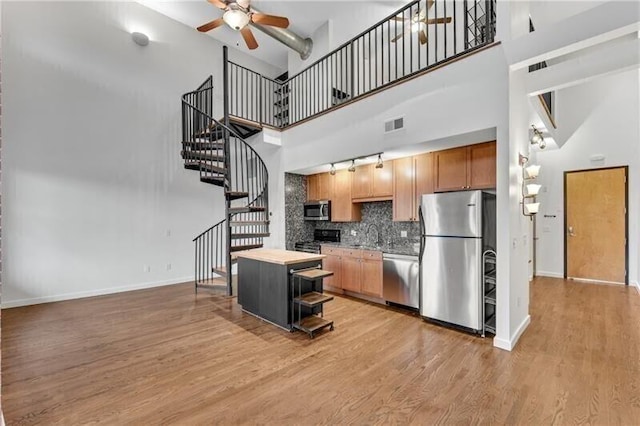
<point>238,14</point>
<point>418,23</point>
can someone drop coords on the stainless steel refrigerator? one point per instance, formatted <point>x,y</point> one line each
<point>456,227</point>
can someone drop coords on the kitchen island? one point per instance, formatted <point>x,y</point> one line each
<point>265,286</point>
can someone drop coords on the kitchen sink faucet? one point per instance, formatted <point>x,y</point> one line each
<point>378,240</point>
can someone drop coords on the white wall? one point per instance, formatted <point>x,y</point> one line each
<point>94,187</point>
<point>321,37</point>
<point>600,117</point>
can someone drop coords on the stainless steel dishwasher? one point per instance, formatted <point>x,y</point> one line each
<point>401,279</point>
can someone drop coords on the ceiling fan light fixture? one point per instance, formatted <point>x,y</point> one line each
<point>418,26</point>
<point>236,19</point>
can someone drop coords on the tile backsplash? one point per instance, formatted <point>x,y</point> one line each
<point>376,215</point>
<point>296,228</point>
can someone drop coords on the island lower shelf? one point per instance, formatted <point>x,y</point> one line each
<point>265,290</point>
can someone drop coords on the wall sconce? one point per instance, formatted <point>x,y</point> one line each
<point>529,190</point>
<point>352,167</point>
<point>379,164</point>
<point>332,170</point>
<point>537,138</point>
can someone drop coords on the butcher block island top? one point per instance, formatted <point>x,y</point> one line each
<point>279,257</point>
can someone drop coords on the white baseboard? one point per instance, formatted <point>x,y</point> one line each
<point>549,274</point>
<point>91,293</point>
<point>508,345</point>
<point>636,284</point>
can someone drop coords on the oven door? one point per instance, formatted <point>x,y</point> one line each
<point>317,210</point>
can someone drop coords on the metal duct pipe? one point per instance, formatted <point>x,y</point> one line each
<point>303,46</point>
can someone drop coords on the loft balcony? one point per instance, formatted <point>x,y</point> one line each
<point>421,36</point>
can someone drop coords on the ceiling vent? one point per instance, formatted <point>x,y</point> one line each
<point>393,125</point>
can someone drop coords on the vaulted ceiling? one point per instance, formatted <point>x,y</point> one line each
<point>349,18</point>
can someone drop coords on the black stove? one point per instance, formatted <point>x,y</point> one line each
<point>319,236</point>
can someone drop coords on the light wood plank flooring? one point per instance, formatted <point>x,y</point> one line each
<point>166,356</point>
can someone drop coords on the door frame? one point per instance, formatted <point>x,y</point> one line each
<point>626,216</point>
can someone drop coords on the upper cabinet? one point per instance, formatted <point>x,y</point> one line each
<point>313,187</point>
<point>404,181</point>
<point>469,167</point>
<point>412,177</point>
<point>325,186</point>
<point>482,166</point>
<point>342,207</point>
<point>373,184</point>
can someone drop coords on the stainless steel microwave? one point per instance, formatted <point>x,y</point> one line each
<point>317,210</point>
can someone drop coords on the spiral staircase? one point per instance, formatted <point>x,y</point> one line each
<point>219,152</point>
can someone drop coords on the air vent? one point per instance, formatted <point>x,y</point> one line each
<point>393,125</point>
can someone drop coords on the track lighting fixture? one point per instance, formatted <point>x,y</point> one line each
<point>332,170</point>
<point>352,168</point>
<point>379,164</point>
<point>537,138</point>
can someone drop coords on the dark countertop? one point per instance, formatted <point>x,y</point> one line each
<point>407,251</point>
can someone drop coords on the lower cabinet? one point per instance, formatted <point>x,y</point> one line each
<point>351,274</point>
<point>333,263</point>
<point>371,271</point>
<point>356,271</point>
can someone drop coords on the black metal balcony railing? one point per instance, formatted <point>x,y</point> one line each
<point>421,35</point>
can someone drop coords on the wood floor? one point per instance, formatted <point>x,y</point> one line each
<point>165,356</point>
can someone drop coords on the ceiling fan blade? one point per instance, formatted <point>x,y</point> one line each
<point>398,37</point>
<point>437,21</point>
<point>430,3</point>
<point>272,20</point>
<point>422,35</point>
<point>248,37</point>
<point>218,3</point>
<point>210,25</point>
<point>398,18</point>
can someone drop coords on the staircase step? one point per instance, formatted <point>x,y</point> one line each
<point>213,180</point>
<point>203,155</point>
<point>249,223</point>
<point>220,270</point>
<point>236,195</point>
<point>216,133</point>
<point>203,145</point>
<point>246,247</point>
<point>249,209</point>
<point>250,235</point>
<point>219,284</point>
<point>210,168</point>
<point>204,166</point>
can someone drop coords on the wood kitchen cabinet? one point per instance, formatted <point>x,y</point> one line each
<point>373,184</point>
<point>482,166</point>
<point>451,169</point>
<point>333,263</point>
<point>342,207</point>
<point>313,187</point>
<point>467,167</point>
<point>325,186</point>
<point>351,273</point>
<point>371,271</point>
<point>354,270</point>
<point>412,177</point>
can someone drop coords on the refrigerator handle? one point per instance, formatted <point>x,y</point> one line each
<point>421,220</point>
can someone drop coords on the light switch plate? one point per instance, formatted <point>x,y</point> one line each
<point>403,234</point>
<point>354,232</point>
